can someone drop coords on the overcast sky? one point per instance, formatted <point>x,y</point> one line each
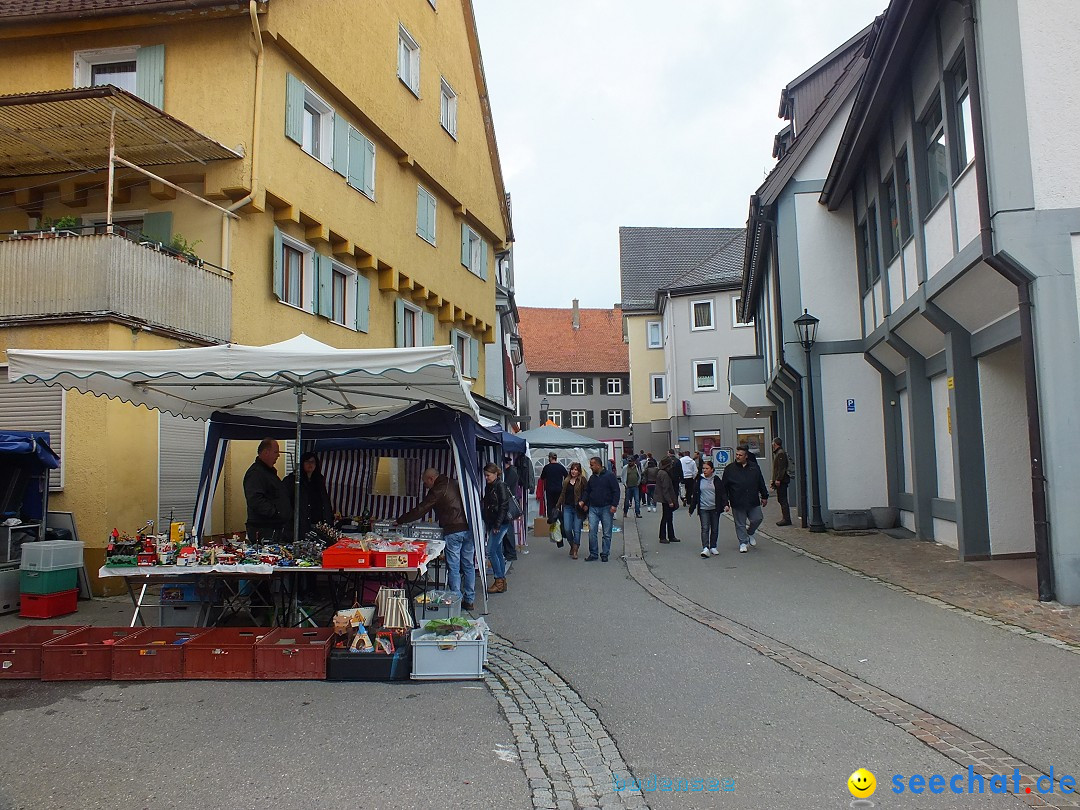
<point>639,113</point>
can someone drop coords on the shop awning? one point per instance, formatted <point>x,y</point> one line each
<point>750,400</point>
<point>60,131</point>
<point>300,376</point>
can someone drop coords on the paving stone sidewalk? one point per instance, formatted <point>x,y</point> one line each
<point>933,570</point>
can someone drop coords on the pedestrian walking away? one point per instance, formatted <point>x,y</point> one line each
<point>601,496</point>
<point>573,493</point>
<point>747,495</point>
<point>781,477</point>
<point>648,477</point>
<point>689,474</point>
<point>496,513</point>
<point>552,475</point>
<point>709,500</point>
<point>668,494</point>
<point>511,478</point>
<point>632,479</point>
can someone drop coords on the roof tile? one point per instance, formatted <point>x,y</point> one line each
<point>552,344</point>
<point>652,259</point>
<point>87,8</point>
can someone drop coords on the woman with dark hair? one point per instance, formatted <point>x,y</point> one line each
<point>315,504</point>
<point>572,490</point>
<point>668,495</point>
<point>496,512</point>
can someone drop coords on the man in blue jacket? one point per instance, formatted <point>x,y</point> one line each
<point>601,496</point>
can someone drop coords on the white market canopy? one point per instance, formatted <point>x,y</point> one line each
<point>300,376</point>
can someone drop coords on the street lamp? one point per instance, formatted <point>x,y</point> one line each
<point>807,325</point>
<point>544,404</point>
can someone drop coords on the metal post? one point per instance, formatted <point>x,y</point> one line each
<point>112,175</point>
<point>816,523</point>
<point>296,463</point>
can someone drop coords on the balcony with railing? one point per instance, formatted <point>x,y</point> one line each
<point>77,275</point>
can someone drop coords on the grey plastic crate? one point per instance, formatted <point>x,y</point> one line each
<point>437,659</point>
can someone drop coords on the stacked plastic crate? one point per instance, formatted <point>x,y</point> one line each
<point>49,578</point>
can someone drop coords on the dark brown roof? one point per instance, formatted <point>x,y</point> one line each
<point>42,10</point>
<point>552,344</point>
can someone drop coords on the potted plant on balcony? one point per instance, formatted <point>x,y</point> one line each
<point>183,249</point>
<point>51,228</point>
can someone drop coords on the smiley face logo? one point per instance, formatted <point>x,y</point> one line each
<point>862,784</point>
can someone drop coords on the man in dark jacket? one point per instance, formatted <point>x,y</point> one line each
<point>746,494</point>
<point>601,496</point>
<point>269,513</point>
<point>553,476</point>
<point>444,497</point>
<point>781,475</point>
<point>511,479</point>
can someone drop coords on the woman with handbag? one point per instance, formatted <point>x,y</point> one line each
<point>572,517</point>
<point>668,496</point>
<point>496,512</point>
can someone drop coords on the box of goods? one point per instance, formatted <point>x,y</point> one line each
<point>50,555</point>
<point>293,654</point>
<point>60,579</point>
<point>346,554</point>
<point>423,531</point>
<point>224,653</point>
<point>346,665</point>
<point>48,605</point>
<point>447,658</point>
<point>85,655</point>
<point>399,555</point>
<point>20,650</point>
<point>153,654</point>
<point>541,527</point>
<point>437,604</point>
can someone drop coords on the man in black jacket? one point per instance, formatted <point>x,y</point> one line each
<point>746,494</point>
<point>269,511</point>
<point>511,479</point>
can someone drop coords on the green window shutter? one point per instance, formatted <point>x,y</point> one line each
<point>474,358</point>
<point>279,270</point>
<point>294,108</point>
<point>399,322</point>
<point>324,287</point>
<point>363,302</point>
<point>150,74</point>
<point>465,244</point>
<point>341,145</point>
<point>483,259</point>
<point>157,227</point>
<point>355,172</point>
<point>369,168</point>
<point>428,319</point>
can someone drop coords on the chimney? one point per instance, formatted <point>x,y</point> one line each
<point>577,315</point>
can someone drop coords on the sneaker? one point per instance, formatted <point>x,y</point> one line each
<point>714,552</point>
<point>753,540</point>
<point>743,548</point>
<point>705,553</point>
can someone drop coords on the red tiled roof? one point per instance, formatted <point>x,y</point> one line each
<point>53,9</point>
<point>552,344</point>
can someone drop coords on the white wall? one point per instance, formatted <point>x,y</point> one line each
<point>895,273</point>
<point>945,533</point>
<point>854,442</point>
<point>1004,417</point>
<point>938,233</point>
<point>911,272</point>
<point>1051,75</point>
<point>723,341</point>
<point>967,208</point>
<point>942,438</point>
<point>827,268</point>
<point>816,164</point>
<point>904,402</point>
<point>907,520</point>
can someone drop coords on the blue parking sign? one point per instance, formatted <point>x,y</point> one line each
<point>851,406</point>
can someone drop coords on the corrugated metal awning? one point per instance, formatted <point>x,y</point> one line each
<point>68,130</point>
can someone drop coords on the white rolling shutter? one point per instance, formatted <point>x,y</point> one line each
<point>35,407</point>
<point>180,452</point>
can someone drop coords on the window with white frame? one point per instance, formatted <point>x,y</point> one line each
<point>701,315</point>
<point>297,273</point>
<point>115,66</point>
<point>317,133</point>
<point>937,162</point>
<point>736,303</point>
<point>614,419</point>
<point>577,419</point>
<point>556,417</point>
<point>467,350</point>
<point>614,386</point>
<point>577,385</point>
<point>654,334</point>
<point>425,215</point>
<point>461,348</point>
<point>412,326</point>
<point>704,375</point>
<point>342,304</point>
<point>473,252</point>
<point>448,108</point>
<point>408,60</point>
<point>554,385</point>
<point>965,132</point>
<point>658,387</point>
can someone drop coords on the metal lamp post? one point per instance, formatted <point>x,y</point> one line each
<point>807,325</point>
<point>544,405</point>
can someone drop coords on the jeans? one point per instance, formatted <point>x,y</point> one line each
<point>710,527</point>
<point>495,550</point>
<point>460,556</point>
<point>753,515</point>
<point>600,515</point>
<point>782,499</point>
<point>510,542</point>
<point>633,496</point>
<point>650,494</point>
<point>667,526</point>
<point>571,522</point>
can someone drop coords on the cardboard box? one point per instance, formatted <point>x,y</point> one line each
<point>540,527</point>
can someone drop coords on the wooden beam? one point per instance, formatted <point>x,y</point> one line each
<point>388,279</point>
<point>446,313</point>
<point>317,232</point>
<point>420,294</point>
<point>470,321</point>
<point>160,191</point>
<point>343,248</point>
<point>367,262</point>
<point>288,213</point>
<point>404,283</point>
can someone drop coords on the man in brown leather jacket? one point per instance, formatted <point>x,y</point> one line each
<point>444,497</point>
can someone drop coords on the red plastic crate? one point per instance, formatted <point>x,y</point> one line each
<point>48,605</point>
<point>85,655</point>
<point>294,654</point>
<point>224,653</point>
<point>346,554</point>
<point>20,650</point>
<point>153,654</point>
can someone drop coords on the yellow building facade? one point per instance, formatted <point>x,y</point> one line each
<point>352,144</point>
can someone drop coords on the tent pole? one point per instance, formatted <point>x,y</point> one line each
<point>297,472</point>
